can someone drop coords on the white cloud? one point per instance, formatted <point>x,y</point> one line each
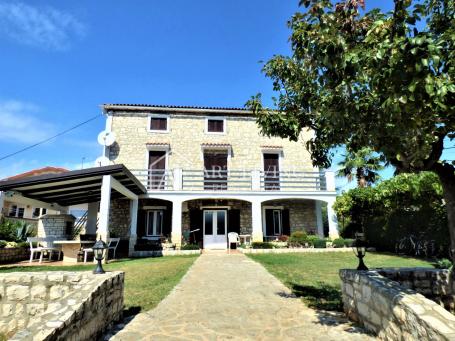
<point>44,27</point>
<point>18,123</point>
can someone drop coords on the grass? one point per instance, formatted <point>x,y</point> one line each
<point>147,280</point>
<point>314,276</point>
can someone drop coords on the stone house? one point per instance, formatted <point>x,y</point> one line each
<point>210,171</point>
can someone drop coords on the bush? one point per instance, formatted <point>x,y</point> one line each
<point>348,242</point>
<point>339,242</point>
<point>2,243</point>
<point>283,238</point>
<point>312,238</point>
<point>262,245</point>
<point>190,247</point>
<point>298,238</point>
<point>443,263</point>
<point>8,230</point>
<point>320,243</point>
<point>24,245</point>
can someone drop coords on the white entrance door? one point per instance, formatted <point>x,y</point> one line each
<point>215,222</point>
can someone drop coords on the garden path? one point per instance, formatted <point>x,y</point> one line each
<point>230,297</point>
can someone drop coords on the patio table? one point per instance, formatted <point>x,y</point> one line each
<point>245,239</point>
<point>71,248</point>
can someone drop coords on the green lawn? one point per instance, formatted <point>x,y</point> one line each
<point>314,276</point>
<point>147,280</point>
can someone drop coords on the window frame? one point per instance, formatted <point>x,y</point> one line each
<point>149,120</point>
<point>215,118</point>
<point>155,212</point>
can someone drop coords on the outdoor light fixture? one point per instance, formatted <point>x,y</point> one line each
<point>359,248</point>
<point>98,250</point>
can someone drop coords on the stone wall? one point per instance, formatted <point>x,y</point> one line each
<point>59,305</point>
<point>392,311</point>
<point>119,218</point>
<point>13,254</point>
<point>56,225</point>
<point>187,133</point>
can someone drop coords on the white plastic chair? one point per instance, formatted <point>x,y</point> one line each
<point>111,245</point>
<point>233,237</point>
<point>41,249</point>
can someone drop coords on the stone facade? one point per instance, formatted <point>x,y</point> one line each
<point>56,225</point>
<point>302,214</point>
<point>59,305</point>
<point>394,312</point>
<point>119,218</point>
<point>187,134</point>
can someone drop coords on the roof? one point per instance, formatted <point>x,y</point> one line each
<point>73,187</point>
<point>38,171</point>
<point>177,108</point>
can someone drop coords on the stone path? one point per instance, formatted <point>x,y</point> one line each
<point>230,297</point>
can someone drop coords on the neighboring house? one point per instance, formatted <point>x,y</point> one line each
<point>209,170</point>
<point>26,211</point>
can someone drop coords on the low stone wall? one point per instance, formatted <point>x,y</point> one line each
<point>143,254</point>
<point>392,311</point>
<point>59,305</point>
<point>13,254</point>
<point>296,250</point>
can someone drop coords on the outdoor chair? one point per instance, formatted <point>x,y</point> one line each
<point>112,244</point>
<point>43,245</point>
<point>233,237</point>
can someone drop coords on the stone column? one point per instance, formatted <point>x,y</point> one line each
<point>92,217</point>
<point>256,215</point>
<point>319,223</point>
<point>176,234</point>
<point>2,203</point>
<point>333,221</point>
<point>105,205</point>
<point>134,206</point>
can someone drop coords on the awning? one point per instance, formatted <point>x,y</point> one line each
<point>74,187</point>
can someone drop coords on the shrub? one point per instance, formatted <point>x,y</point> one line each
<point>8,230</point>
<point>190,247</point>
<point>24,245</point>
<point>283,238</point>
<point>2,243</point>
<point>320,243</point>
<point>348,242</point>
<point>443,263</point>
<point>312,238</point>
<point>262,245</point>
<point>339,242</point>
<point>298,238</point>
<point>25,230</point>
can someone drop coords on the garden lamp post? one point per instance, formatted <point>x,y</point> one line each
<point>98,250</point>
<point>360,251</point>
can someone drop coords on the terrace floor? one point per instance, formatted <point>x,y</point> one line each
<point>231,297</point>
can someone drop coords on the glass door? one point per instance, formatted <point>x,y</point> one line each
<point>215,222</point>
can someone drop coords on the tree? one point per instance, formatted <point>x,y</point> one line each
<point>384,81</point>
<point>362,165</point>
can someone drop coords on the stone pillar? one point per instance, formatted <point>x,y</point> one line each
<point>56,225</point>
<point>92,218</point>
<point>256,218</point>
<point>105,205</point>
<point>319,223</point>
<point>134,206</point>
<point>176,234</point>
<point>333,221</point>
<point>2,203</point>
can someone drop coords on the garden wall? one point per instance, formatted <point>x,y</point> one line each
<point>395,312</point>
<point>59,305</point>
<point>14,254</point>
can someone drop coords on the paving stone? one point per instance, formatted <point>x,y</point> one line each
<point>228,297</point>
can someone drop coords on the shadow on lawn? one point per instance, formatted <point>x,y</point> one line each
<point>321,296</point>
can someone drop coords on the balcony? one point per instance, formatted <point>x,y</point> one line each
<point>234,180</point>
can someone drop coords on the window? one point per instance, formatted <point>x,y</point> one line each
<point>36,212</point>
<point>277,222</point>
<point>155,222</point>
<point>159,124</point>
<point>43,211</point>
<point>215,125</point>
<point>16,211</point>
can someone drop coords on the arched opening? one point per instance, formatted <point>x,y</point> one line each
<point>207,222</point>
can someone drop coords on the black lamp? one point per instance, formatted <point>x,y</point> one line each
<point>360,250</point>
<point>98,250</point>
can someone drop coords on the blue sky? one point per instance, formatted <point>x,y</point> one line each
<point>61,59</point>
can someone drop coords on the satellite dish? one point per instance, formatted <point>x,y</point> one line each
<point>102,161</point>
<point>106,138</point>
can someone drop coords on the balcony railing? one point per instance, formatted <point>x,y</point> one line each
<point>235,180</point>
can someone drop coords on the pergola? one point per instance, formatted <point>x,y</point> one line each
<point>91,185</point>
